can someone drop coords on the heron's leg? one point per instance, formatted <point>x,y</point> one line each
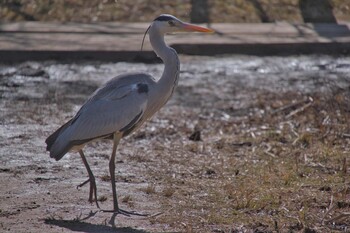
<point>116,209</point>
<point>116,139</point>
<point>93,188</point>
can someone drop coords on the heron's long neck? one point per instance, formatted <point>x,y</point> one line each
<point>169,78</point>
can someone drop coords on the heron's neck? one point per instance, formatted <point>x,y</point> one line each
<point>169,78</point>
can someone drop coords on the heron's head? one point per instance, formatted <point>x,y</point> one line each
<point>167,24</point>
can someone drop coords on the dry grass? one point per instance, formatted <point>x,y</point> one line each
<point>286,173</point>
<point>150,189</point>
<point>106,178</point>
<point>102,198</point>
<point>168,191</point>
<point>128,200</point>
<point>124,10</point>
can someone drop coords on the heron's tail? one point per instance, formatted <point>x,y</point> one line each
<point>57,152</point>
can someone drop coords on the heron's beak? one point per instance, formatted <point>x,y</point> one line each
<point>195,28</point>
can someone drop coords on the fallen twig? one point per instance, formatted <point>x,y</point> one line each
<point>268,151</point>
<point>241,144</point>
<point>344,169</point>
<point>339,217</point>
<point>292,128</point>
<point>330,208</point>
<point>298,110</point>
<point>288,106</point>
<point>346,135</point>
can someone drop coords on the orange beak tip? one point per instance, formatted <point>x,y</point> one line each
<point>195,28</point>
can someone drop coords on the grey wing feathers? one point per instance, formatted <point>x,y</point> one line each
<point>113,107</point>
<point>52,138</point>
<point>105,116</point>
<point>119,82</point>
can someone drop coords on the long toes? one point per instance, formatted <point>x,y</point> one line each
<point>128,213</point>
<point>82,184</point>
<point>93,197</point>
<point>124,212</point>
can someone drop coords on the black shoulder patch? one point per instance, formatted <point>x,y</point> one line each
<point>142,88</point>
<point>163,18</point>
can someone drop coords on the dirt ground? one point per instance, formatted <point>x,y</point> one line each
<point>246,144</point>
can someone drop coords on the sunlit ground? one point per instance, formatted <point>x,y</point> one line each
<point>246,143</point>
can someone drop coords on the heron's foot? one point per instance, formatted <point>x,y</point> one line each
<point>82,184</point>
<point>124,212</point>
<point>93,190</point>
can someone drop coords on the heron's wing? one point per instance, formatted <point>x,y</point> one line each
<point>110,110</point>
<point>119,86</point>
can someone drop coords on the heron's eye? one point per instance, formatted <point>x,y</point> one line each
<point>171,23</point>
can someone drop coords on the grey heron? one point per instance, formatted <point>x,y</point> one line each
<point>122,105</point>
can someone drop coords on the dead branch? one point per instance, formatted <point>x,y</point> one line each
<point>339,217</point>
<point>268,151</point>
<point>301,109</point>
<point>330,208</point>
<point>288,106</point>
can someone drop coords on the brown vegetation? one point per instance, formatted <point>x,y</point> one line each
<point>228,11</point>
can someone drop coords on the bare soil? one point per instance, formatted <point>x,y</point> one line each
<point>246,144</point>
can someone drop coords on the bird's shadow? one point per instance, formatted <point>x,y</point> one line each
<point>80,226</point>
